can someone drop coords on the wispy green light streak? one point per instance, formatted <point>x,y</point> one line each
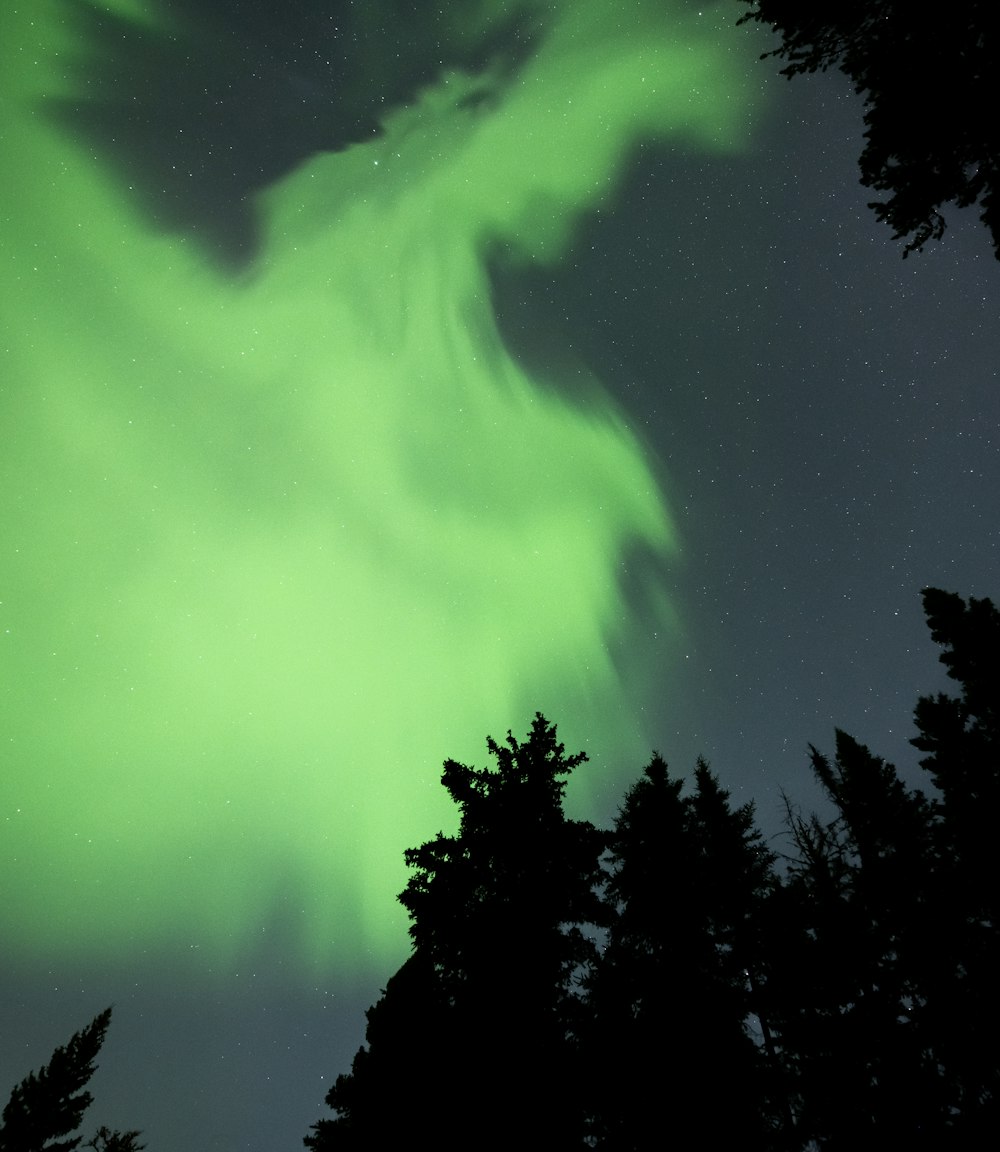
<point>275,544</point>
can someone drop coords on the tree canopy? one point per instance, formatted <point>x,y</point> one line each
<point>50,1103</point>
<point>931,85</point>
<point>499,917</point>
<point>105,1140</point>
<point>673,980</point>
<point>670,996</point>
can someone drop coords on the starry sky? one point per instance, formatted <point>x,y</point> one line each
<point>372,378</point>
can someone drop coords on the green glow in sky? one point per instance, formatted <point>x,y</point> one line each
<point>274,544</point>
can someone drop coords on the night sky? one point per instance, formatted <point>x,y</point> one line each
<point>373,377</point>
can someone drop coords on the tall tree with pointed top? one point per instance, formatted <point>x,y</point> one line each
<point>856,961</point>
<point>961,738</point>
<point>671,997</point>
<point>961,734</point>
<point>474,1042</point>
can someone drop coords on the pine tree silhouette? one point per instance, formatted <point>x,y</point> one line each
<point>50,1103</point>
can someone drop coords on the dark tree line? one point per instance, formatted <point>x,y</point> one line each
<point>931,85</point>
<point>672,979</point>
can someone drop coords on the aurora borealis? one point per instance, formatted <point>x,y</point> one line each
<point>572,377</point>
<point>278,539</point>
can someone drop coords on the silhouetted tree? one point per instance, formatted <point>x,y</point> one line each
<point>397,1086</point>
<point>104,1140</point>
<point>931,84</point>
<point>499,917</point>
<point>882,975</point>
<point>671,998</point>
<point>50,1103</point>
<point>961,736</point>
<point>850,1003</point>
<point>852,967</point>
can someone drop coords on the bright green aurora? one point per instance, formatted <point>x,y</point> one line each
<point>274,543</point>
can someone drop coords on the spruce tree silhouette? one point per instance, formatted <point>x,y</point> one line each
<point>883,969</point>
<point>854,961</point>
<point>50,1103</point>
<point>961,736</point>
<point>931,84</point>
<point>671,997</point>
<point>474,1043</point>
